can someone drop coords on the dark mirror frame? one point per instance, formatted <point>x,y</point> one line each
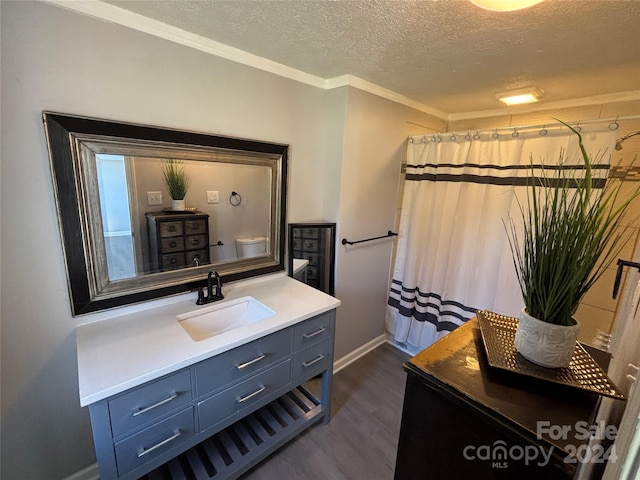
<point>61,129</point>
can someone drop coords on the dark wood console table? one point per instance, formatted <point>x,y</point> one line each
<point>464,419</point>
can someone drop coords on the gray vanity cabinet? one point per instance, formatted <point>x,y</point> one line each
<point>219,417</point>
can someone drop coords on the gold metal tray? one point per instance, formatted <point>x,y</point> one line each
<point>498,333</point>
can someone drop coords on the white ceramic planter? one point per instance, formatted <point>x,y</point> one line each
<point>544,343</point>
<point>178,205</point>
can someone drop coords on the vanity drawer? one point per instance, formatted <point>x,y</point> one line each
<point>154,441</point>
<point>312,360</point>
<point>142,405</point>
<point>170,229</point>
<point>172,244</point>
<point>312,331</point>
<point>195,242</point>
<point>219,407</point>
<point>195,226</point>
<point>239,363</point>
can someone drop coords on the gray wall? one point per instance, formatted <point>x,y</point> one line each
<point>57,60</point>
<point>374,136</point>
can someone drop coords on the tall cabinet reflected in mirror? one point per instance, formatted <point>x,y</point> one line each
<point>312,252</point>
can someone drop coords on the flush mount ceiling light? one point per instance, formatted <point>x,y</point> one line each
<point>504,5</point>
<point>517,97</point>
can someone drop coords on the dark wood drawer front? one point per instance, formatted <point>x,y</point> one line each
<point>312,257</point>
<point>140,406</point>
<point>172,261</point>
<point>310,232</point>
<point>201,255</point>
<point>192,227</point>
<point>309,245</point>
<point>219,407</point>
<point>154,441</point>
<point>312,360</point>
<point>170,229</point>
<point>312,331</point>
<point>241,362</point>
<point>175,244</point>
<point>312,273</point>
<point>195,242</point>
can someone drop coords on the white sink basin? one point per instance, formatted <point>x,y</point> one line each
<point>222,317</point>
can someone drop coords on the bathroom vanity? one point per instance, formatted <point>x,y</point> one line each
<point>166,405</point>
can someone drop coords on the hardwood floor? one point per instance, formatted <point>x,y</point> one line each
<point>360,441</point>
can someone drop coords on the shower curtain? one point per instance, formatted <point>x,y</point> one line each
<point>453,256</point>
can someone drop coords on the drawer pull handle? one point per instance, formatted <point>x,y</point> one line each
<point>143,451</point>
<point>313,334</point>
<point>311,362</point>
<point>140,411</point>
<point>250,362</point>
<point>261,389</point>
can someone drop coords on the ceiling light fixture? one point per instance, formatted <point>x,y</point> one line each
<point>504,5</point>
<point>517,97</point>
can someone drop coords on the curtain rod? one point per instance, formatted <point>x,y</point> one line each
<point>613,125</point>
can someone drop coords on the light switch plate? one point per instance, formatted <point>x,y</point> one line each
<point>154,198</point>
<point>213,196</point>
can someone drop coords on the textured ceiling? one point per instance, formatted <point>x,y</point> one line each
<point>447,54</point>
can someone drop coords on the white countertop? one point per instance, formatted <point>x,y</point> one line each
<point>299,264</point>
<point>125,351</point>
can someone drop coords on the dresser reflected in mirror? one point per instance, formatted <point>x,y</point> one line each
<point>312,248</point>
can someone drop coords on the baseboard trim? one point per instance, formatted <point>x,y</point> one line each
<point>389,339</point>
<point>359,352</point>
<point>89,473</point>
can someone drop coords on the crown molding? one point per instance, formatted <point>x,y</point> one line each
<point>120,16</point>
<point>575,102</point>
<point>356,82</point>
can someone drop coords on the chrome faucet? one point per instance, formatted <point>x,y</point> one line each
<point>210,296</point>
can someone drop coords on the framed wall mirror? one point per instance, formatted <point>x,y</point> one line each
<point>123,241</point>
<point>312,252</point>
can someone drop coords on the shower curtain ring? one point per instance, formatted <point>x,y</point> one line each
<point>495,135</point>
<point>544,131</point>
<point>476,136</point>
<point>453,137</point>
<point>468,135</point>
<point>515,133</point>
<point>614,125</point>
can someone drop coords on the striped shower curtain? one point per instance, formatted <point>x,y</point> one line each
<point>453,255</point>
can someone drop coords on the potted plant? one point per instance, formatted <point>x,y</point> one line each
<point>176,181</point>
<point>570,235</point>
